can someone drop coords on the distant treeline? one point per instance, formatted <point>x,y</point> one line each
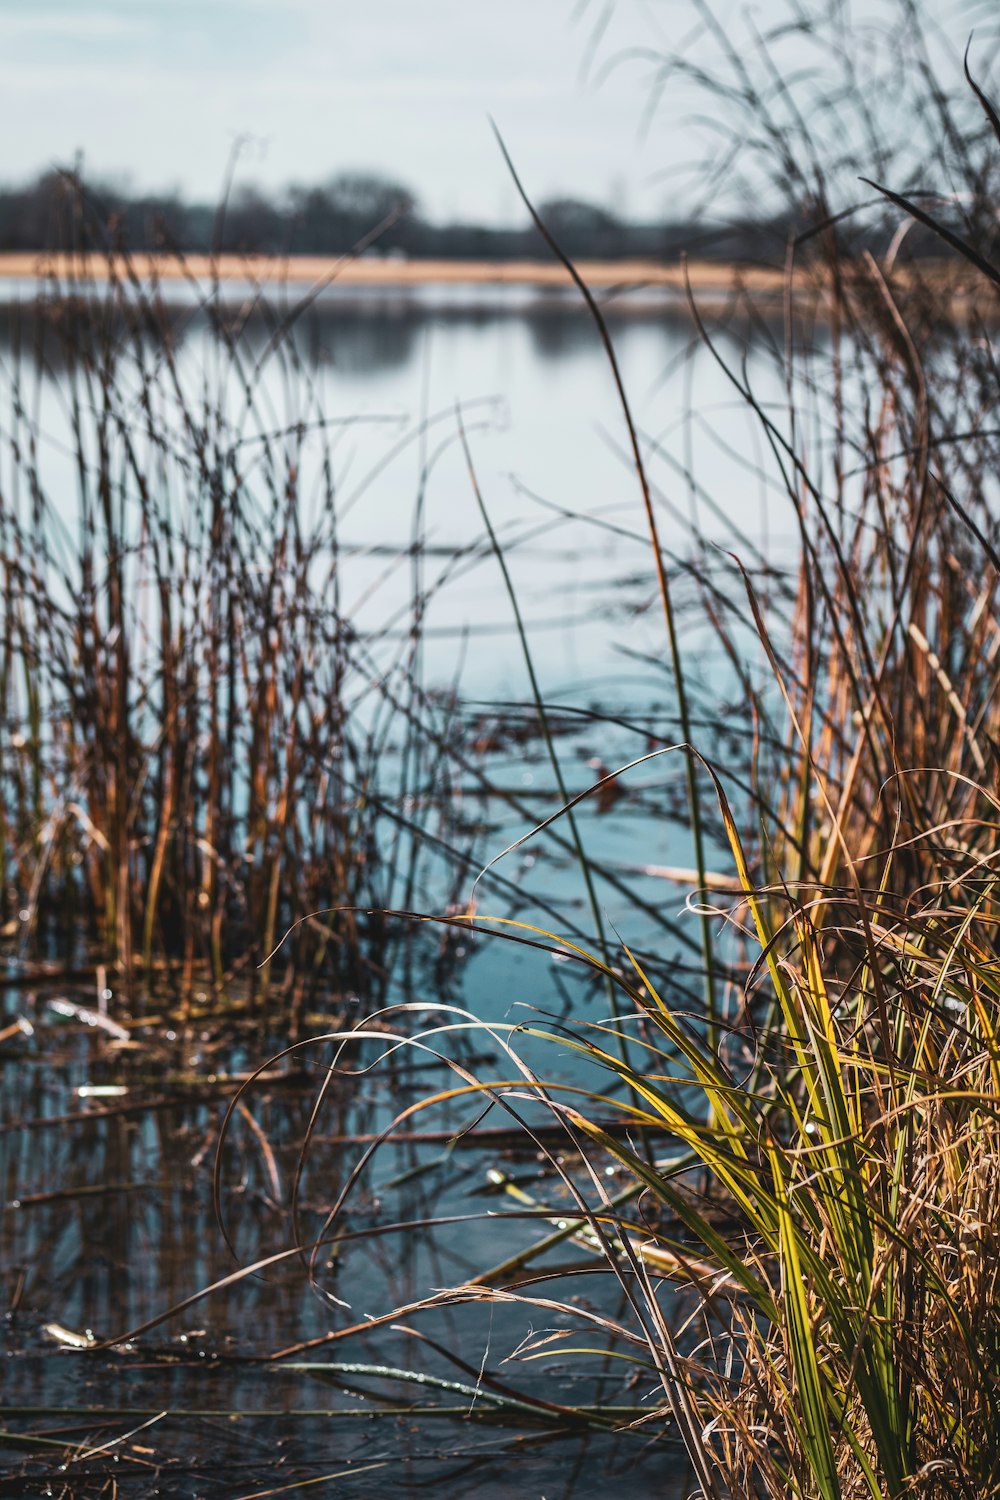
<point>58,212</point>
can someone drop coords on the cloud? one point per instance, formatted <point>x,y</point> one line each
<point>160,88</point>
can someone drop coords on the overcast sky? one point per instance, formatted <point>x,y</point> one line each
<point>158,90</point>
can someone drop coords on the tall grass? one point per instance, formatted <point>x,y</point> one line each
<point>846,1132</point>
<point>812,1274</point>
<point>199,744</point>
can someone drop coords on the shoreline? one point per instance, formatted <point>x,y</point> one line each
<point>636,287</point>
<point>389,272</point>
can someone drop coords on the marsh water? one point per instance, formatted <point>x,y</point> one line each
<point>115,1189</point>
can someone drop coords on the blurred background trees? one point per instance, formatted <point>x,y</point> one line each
<point>62,210</point>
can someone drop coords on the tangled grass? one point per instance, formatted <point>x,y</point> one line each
<point>813,1277</point>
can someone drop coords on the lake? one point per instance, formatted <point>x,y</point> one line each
<point>110,1113</point>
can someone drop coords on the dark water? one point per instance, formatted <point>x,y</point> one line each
<point>109,1142</point>
<point>109,1220</point>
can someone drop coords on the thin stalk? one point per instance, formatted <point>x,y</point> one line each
<point>694,806</point>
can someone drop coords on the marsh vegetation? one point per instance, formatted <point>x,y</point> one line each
<point>655,1097</point>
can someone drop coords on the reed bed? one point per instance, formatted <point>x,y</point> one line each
<point>199,746</point>
<point>204,748</point>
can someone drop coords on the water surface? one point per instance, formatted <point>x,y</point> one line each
<point>108,1140</point>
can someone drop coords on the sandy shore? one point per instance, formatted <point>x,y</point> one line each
<point>649,283</point>
<point>315,270</point>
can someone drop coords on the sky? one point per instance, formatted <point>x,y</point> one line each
<point>155,93</point>
<point>158,90</point>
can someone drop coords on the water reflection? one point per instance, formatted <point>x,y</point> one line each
<point>364,335</point>
<point>108,1219</point>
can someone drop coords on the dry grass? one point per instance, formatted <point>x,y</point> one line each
<point>199,746</point>
<point>812,1277</point>
<point>808,1281</point>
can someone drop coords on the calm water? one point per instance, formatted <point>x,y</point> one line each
<point>108,1215</point>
